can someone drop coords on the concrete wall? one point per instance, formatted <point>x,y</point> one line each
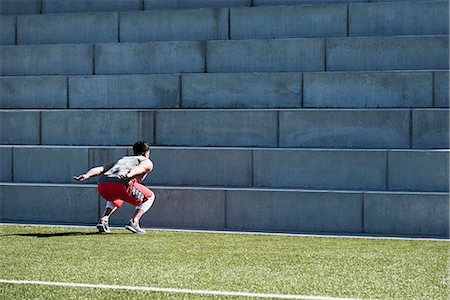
<point>162,57</point>
<point>124,91</point>
<point>7,30</point>
<point>33,92</point>
<point>176,4</point>
<point>173,25</point>
<point>20,127</point>
<point>293,55</point>
<point>387,53</point>
<point>46,60</point>
<point>242,90</point>
<point>430,128</point>
<point>70,6</point>
<point>420,214</point>
<point>401,213</point>
<point>372,19</point>
<point>345,128</point>
<point>441,89</point>
<point>19,7</point>
<point>286,21</point>
<point>68,28</point>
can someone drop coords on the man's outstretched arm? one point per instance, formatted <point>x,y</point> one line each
<point>93,172</point>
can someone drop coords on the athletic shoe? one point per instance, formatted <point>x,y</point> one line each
<point>134,227</point>
<point>103,226</point>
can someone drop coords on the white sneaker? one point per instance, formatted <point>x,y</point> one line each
<point>134,227</point>
<point>103,226</point>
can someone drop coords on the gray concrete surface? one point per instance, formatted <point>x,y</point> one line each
<point>320,169</point>
<point>7,30</point>
<point>124,91</point>
<point>288,21</point>
<point>78,6</point>
<point>20,127</point>
<point>430,128</point>
<point>49,203</point>
<point>419,214</point>
<point>400,18</point>
<point>294,211</point>
<point>287,55</point>
<point>67,28</point>
<point>242,90</point>
<point>333,128</point>
<point>216,128</point>
<point>91,127</point>
<point>419,170</point>
<point>201,167</point>
<point>192,4</point>
<point>161,57</point>
<point>19,7</point>
<point>387,53</point>
<point>174,25</point>
<point>6,164</point>
<point>46,59</point>
<point>368,89</point>
<point>298,2</point>
<point>33,92</point>
<point>441,89</point>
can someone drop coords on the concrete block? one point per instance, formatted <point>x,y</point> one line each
<point>298,211</point>
<point>46,60</point>
<point>180,208</point>
<point>419,214</point>
<point>297,2</point>
<point>91,127</point>
<point>124,91</point>
<point>174,25</point>
<point>226,128</point>
<point>441,89</point>
<point>20,127</point>
<point>419,170</point>
<point>7,30</point>
<point>368,89</point>
<point>320,169</point>
<point>242,90</point>
<point>288,21</point>
<point>177,4</point>
<point>411,18</point>
<point>345,128</point>
<point>67,28</point>
<point>430,128</point>
<point>201,167</point>
<point>286,55</point>
<point>33,92</point>
<point>100,156</point>
<point>70,6</point>
<point>6,164</point>
<point>387,53</point>
<point>49,164</point>
<point>49,203</point>
<point>160,57</point>
<point>19,7</point>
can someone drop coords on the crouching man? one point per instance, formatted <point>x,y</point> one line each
<point>121,181</point>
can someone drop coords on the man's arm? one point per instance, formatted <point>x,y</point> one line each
<point>93,172</point>
<point>144,167</point>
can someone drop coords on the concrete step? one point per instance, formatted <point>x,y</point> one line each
<point>228,56</point>
<point>362,212</point>
<point>344,169</point>
<point>16,7</point>
<point>304,128</point>
<point>424,89</point>
<point>332,20</point>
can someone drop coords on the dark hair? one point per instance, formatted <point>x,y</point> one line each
<point>140,147</point>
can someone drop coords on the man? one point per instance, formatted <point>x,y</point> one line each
<point>120,181</point>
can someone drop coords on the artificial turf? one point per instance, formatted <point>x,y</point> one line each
<point>296,265</point>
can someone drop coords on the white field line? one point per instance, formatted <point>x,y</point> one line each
<point>347,236</point>
<point>171,290</point>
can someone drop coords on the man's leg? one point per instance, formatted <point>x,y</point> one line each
<point>142,198</point>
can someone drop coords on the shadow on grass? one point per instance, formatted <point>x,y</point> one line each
<point>46,235</point>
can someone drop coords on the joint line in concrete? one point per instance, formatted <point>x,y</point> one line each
<point>348,19</point>
<point>302,90</point>
<point>433,91</point>
<point>118,27</point>
<point>67,93</point>
<point>229,23</point>
<point>93,59</point>
<point>15,33</point>
<point>411,129</point>
<point>180,91</point>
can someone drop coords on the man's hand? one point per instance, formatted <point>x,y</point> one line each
<point>81,177</point>
<point>123,175</point>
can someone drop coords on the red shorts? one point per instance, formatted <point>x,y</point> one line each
<point>117,192</point>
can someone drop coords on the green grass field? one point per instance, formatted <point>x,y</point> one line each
<point>294,265</point>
